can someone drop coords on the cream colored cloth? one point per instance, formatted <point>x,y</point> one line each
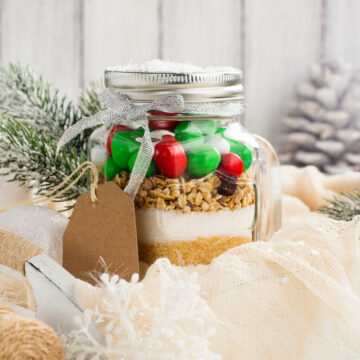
<point>312,187</point>
<point>294,296</point>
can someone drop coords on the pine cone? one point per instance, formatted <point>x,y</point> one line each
<point>323,125</point>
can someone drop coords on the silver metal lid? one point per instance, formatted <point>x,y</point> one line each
<point>196,87</point>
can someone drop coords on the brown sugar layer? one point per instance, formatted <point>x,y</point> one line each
<point>193,252</point>
<point>196,195</point>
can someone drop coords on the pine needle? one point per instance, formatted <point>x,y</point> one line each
<point>344,207</point>
<point>90,103</point>
<point>26,97</point>
<point>33,116</point>
<point>29,156</point>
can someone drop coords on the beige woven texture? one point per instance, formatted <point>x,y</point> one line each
<point>14,250</point>
<point>14,287</point>
<point>21,338</point>
<point>26,339</point>
<point>294,296</point>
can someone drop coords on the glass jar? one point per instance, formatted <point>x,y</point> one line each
<point>211,184</point>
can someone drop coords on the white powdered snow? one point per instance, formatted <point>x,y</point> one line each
<point>161,66</point>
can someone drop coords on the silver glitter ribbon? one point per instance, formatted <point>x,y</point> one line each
<point>141,165</point>
<point>221,109</point>
<point>120,109</point>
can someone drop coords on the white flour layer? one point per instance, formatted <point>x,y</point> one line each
<point>157,226</point>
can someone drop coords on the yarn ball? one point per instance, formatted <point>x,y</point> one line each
<point>22,338</point>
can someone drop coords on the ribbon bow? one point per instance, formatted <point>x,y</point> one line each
<point>120,109</point>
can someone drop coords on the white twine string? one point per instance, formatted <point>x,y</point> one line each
<point>56,192</point>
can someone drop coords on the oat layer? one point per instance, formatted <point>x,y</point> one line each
<point>195,195</point>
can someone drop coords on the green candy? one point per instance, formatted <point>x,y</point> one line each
<point>110,169</point>
<point>238,148</point>
<point>220,130</point>
<point>207,127</point>
<point>123,145</point>
<point>140,132</point>
<point>243,151</point>
<point>151,170</point>
<point>188,134</point>
<point>203,160</point>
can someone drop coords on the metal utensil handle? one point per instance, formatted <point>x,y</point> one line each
<point>15,250</point>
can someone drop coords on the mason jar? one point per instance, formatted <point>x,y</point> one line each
<point>211,185</point>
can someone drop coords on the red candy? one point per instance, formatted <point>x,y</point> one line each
<point>231,165</point>
<point>114,130</point>
<point>162,124</point>
<point>162,113</point>
<point>169,157</point>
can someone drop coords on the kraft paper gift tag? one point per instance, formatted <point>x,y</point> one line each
<point>103,229</point>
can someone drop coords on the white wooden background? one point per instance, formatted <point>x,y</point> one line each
<point>273,41</point>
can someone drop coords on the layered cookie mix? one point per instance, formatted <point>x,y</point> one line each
<point>194,221</point>
<point>197,198</point>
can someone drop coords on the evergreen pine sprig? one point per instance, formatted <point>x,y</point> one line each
<point>30,156</point>
<point>33,116</point>
<point>343,207</point>
<point>90,103</point>
<point>25,96</point>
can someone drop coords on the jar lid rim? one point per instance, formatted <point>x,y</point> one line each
<point>138,85</point>
<point>227,71</point>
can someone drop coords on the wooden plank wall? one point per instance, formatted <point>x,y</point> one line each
<point>273,41</point>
